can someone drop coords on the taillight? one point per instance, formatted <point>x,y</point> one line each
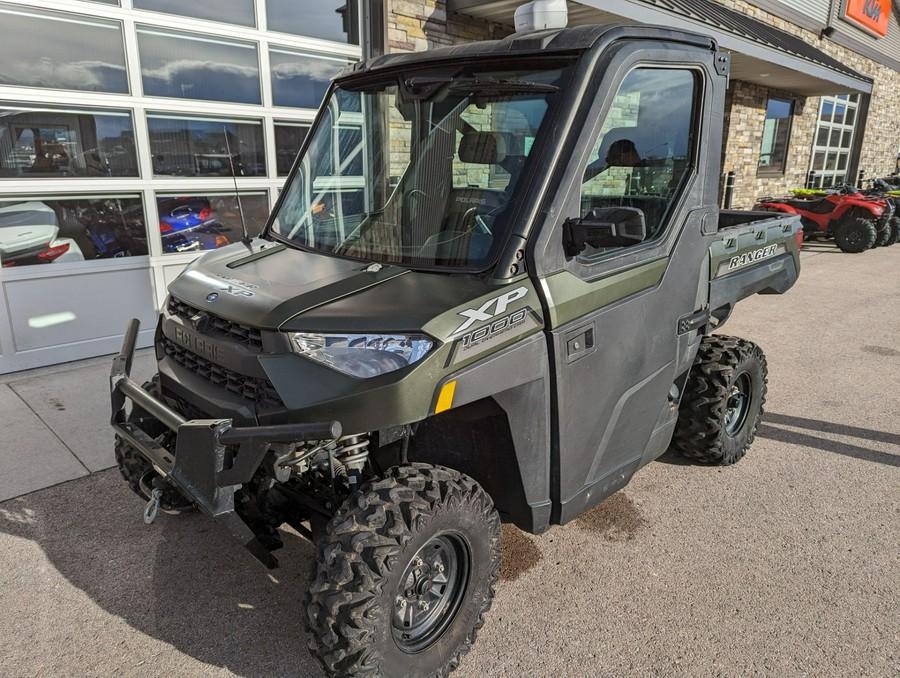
<point>800,239</point>
<point>9,264</point>
<point>165,228</point>
<point>221,241</point>
<point>54,253</point>
<point>205,213</point>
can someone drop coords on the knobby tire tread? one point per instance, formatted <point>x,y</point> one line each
<point>700,430</point>
<point>357,553</point>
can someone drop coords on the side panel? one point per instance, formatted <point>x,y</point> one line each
<point>498,431</point>
<point>618,359</point>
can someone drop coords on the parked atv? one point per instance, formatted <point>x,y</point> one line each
<point>890,193</point>
<point>854,220</point>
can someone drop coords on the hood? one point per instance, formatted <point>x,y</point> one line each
<point>272,284</point>
<point>26,226</point>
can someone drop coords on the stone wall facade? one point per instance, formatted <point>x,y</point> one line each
<point>746,116</point>
<point>416,25</point>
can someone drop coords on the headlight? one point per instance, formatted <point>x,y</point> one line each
<point>362,355</point>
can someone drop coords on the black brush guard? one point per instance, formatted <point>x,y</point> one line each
<point>197,467</point>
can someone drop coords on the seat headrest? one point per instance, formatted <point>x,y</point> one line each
<point>483,148</point>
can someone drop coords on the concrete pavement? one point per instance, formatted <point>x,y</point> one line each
<point>56,423</point>
<point>784,564</point>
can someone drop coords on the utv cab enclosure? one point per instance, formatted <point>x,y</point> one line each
<point>484,294</point>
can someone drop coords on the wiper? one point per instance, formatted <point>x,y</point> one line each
<point>491,85</point>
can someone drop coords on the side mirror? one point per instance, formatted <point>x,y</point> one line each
<point>604,227</point>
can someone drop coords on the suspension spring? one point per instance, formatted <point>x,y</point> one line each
<point>354,450</point>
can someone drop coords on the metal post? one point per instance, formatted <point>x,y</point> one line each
<point>729,190</point>
<point>859,179</point>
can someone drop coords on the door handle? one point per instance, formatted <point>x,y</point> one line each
<point>579,343</point>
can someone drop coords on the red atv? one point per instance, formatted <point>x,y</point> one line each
<point>856,222</point>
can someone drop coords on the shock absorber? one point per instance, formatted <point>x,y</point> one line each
<point>353,454</point>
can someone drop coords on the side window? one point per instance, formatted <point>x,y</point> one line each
<point>644,148</point>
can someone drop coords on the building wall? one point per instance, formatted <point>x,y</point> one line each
<point>881,139</point>
<point>415,25</point>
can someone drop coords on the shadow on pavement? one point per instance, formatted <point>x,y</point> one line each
<point>832,427</point>
<point>182,580</point>
<point>795,438</point>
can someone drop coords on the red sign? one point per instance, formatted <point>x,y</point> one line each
<point>870,15</point>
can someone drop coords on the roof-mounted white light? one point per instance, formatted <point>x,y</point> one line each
<point>541,15</point>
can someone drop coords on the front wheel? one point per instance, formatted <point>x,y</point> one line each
<point>135,469</point>
<point>404,575</point>
<point>722,402</point>
<point>855,235</point>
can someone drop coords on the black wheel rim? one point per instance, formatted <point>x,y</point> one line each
<point>738,404</point>
<point>430,592</point>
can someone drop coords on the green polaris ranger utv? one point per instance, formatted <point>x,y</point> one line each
<point>485,294</point>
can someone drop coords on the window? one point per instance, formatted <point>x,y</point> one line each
<point>61,51</point>
<point>187,66</point>
<point>288,139</point>
<point>833,141</point>
<point>211,147</point>
<point>300,80</point>
<point>208,221</point>
<point>326,19</point>
<point>645,147</point>
<point>46,141</point>
<point>422,178</point>
<point>64,229</point>
<point>776,135</point>
<point>238,12</point>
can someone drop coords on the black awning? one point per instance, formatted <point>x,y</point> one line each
<point>725,19</point>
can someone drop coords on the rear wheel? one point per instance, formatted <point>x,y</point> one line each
<point>855,235</point>
<point>883,236</point>
<point>722,402</point>
<point>894,228</point>
<point>404,575</point>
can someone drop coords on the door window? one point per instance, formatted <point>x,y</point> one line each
<point>644,149</point>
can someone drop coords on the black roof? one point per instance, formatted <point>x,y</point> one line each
<point>577,39</point>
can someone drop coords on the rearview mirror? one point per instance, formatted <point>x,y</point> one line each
<point>604,227</point>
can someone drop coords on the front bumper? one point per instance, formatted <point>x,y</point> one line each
<point>201,466</point>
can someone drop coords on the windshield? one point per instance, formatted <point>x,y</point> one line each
<point>421,172</point>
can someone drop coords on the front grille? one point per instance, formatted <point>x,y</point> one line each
<point>248,336</point>
<point>259,391</point>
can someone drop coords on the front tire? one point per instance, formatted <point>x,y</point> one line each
<point>135,469</point>
<point>722,402</point>
<point>855,235</point>
<point>404,575</point>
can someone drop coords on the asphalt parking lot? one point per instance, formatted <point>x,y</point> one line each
<point>785,564</point>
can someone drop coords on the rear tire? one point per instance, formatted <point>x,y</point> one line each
<point>722,402</point>
<point>883,236</point>
<point>894,229</point>
<point>404,575</point>
<point>855,235</point>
